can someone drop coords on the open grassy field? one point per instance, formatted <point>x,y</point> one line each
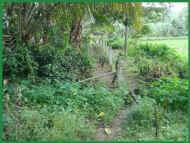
<point>180,44</point>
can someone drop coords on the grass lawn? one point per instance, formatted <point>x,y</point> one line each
<point>180,44</point>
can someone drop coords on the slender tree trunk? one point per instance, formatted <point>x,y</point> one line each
<point>6,109</point>
<point>126,34</point>
<point>75,33</point>
<point>156,121</point>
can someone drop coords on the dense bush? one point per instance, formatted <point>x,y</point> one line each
<point>155,50</point>
<point>67,63</point>
<point>156,60</point>
<point>18,62</point>
<point>117,43</point>
<point>45,61</point>
<point>76,63</point>
<point>170,92</point>
<point>145,30</point>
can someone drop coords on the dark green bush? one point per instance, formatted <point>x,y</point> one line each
<point>76,62</point>
<point>170,92</point>
<point>19,62</point>
<point>46,61</point>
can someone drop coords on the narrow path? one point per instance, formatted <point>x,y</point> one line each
<point>101,70</point>
<point>116,124</point>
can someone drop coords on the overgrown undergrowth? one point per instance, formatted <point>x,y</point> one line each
<point>59,111</point>
<point>140,123</point>
<point>164,95</point>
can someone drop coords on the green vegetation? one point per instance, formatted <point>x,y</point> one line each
<point>170,93</point>
<point>156,60</point>
<point>63,81</point>
<point>140,124</point>
<point>179,44</point>
<point>117,43</point>
<point>164,87</point>
<point>61,110</point>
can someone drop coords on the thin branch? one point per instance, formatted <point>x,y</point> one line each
<point>98,76</point>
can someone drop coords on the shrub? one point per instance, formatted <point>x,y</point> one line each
<point>19,62</point>
<point>142,113</point>
<point>117,43</point>
<point>156,60</point>
<point>73,65</point>
<point>145,30</point>
<point>170,92</point>
<point>66,62</point>
<point>46,61</point>
<point>156,50</point>
<point>42,94</point>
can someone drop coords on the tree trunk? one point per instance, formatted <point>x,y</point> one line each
<point>125,46</point>
<point>156,121</point>
<point>75,33</point>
